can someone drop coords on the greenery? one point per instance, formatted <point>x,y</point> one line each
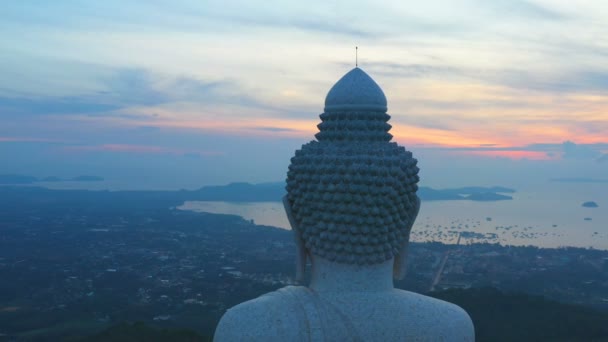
<point>499,316</point>
<point>138,331</point>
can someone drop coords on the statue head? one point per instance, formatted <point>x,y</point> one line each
<point>351,201</point>
<point>351,193</point>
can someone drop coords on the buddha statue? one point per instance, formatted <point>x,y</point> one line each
<point>351,201</point>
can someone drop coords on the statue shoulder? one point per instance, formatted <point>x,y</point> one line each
<point>449,321</point>
<point>270,317</point>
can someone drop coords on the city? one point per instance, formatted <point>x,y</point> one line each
<point>73,267</point>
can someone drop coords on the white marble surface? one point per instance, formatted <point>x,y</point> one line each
<point>345,303</point>
<point>351,203</point>
<point>355,91</point>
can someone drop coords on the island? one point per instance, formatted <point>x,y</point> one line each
<point>590,204</point>
<point>487,196</point>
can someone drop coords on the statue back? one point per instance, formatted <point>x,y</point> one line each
<point>296,313</point>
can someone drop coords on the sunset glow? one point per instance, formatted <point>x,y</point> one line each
<point>521,80</point>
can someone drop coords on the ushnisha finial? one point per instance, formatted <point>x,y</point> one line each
<point>356,56</point>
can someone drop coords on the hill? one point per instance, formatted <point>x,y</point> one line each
<point>272,192</point>
<point>139,331</point>
<point>590,204</point>
<point>266,192</point>
<point>14,179</point>
<point>497,316</point>
<point>488,197</point>
<point>500,316</point>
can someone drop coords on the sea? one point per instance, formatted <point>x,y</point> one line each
<point>547,215</point>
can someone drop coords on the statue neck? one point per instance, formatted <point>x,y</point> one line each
<point>328,276</point>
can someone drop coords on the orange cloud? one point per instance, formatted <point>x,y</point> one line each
<point>465,115</point>
<point>435,137</point>
<point>533,155</point>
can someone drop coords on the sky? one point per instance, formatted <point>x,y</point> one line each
<point>180,94</point>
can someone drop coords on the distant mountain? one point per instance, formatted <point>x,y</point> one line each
<point>87,179</point>
<point>17,179</point>
<point>272,192</point>
<point>241,192</point>
<point>488,197</point>
<point>470,190</point>
<point>51,179</point>
<point>430,194</point>
<point>14,179</point>
<point>471,193</point>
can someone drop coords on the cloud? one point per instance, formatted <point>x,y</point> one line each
<point>192,155</point>
<point>575,151</point>
<point>567,150</point>
<point>603,158</point>
<point>202,154</point>
<point>119,148</point>
<point>522,8</point>
<point>130,88</point>
<point>133,87</point>
<point>571,81</point>
<point>148,129</point>
<point>318,25</point>
<point>424,121</point>
<point>137,87</point>
<point>138,149</point>
<point>408,70</point>
<point>181,16</point>
<point>126,87</point>
<point>274,129</point>
<point>50,106</point>
<point>534,78</point>
<point>30,140</point>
